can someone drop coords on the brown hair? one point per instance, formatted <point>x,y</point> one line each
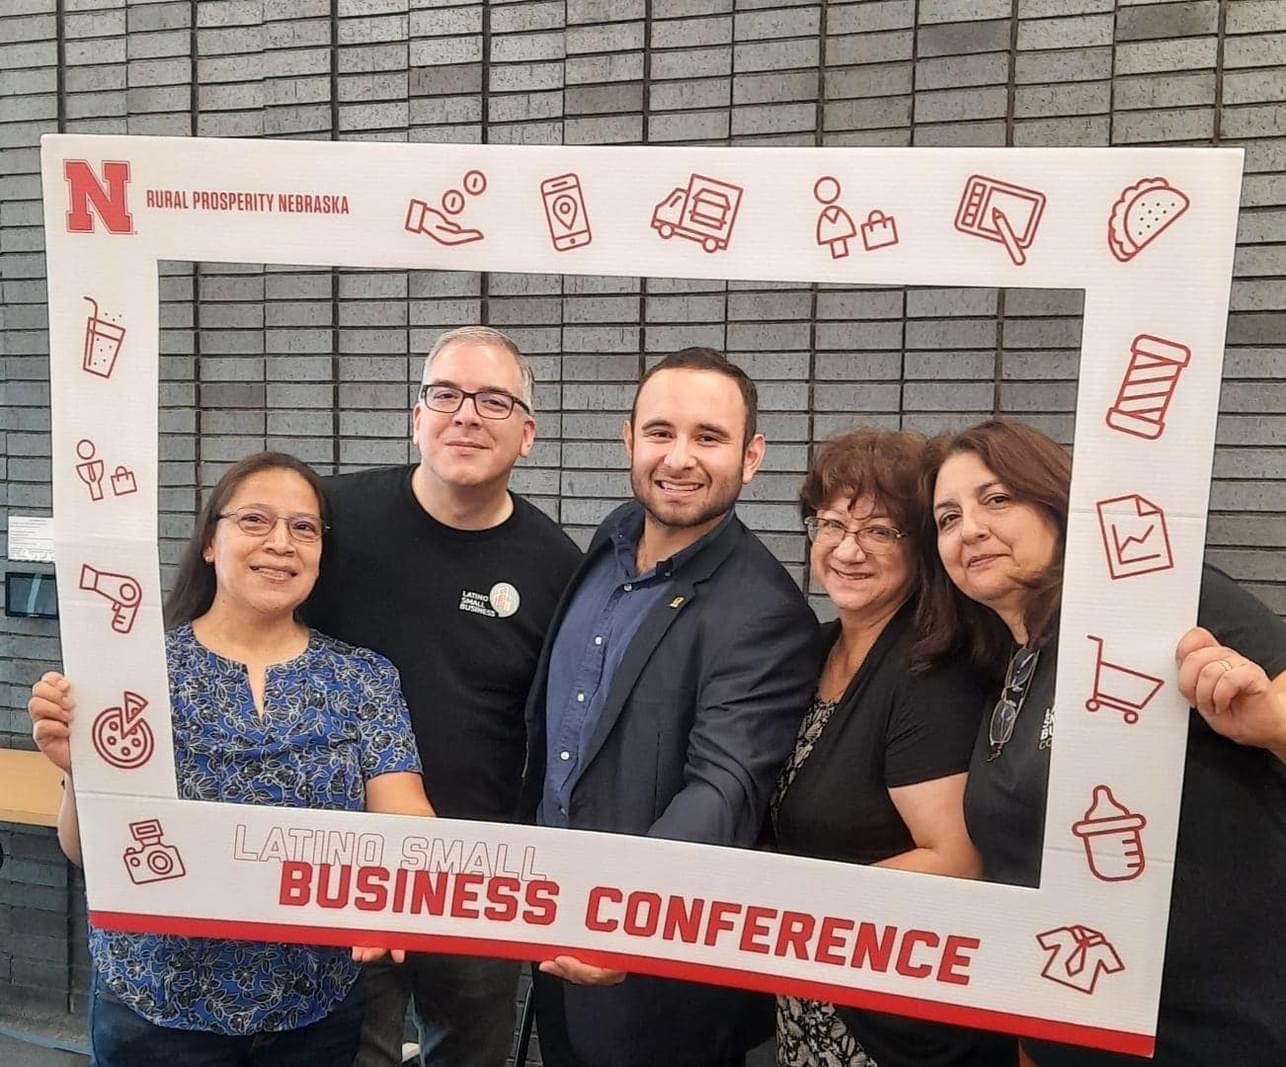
<point>884,464</point>
<point>708,359</point>
<point>195,583</point>
<point>1036,471</point>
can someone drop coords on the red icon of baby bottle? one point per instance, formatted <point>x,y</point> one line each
<point>1110,833</point>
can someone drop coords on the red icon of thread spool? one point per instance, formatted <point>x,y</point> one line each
<point>122,736</point>
<point>1148,386</point>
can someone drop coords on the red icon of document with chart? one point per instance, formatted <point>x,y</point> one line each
<point>120,590</point>
<point>1111,834</point>
<point>151,859</point>
<point>1078,957</point>
<point>1134,536</point>
<point>1119,687</point>
<point>704,211</point>
<point>122,736</point>
<point>1002,212</point>
<point>1148,386</point>
<point>565,213</point>
<point>440,225</point>
<point>103,340</point>
<point>1141,214</point>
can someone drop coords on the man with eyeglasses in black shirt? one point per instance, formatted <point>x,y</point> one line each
<point>454,578</point>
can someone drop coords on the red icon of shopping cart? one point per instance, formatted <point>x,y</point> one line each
<point>103,341</point>
<point>1119,687</point>
<point>1148,386</point>
<point>704,212</point>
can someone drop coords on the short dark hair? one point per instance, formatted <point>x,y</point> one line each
<point>1037,471</point>
<point>710,360</point>
<point>883,464</point>
<point>195,583</point>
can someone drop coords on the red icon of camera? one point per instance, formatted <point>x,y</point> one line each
<point>151,859</point>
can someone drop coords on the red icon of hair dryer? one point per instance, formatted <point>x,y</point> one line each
<point>120,590</point>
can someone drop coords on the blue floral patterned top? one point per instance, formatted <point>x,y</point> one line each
<point>333,717</point>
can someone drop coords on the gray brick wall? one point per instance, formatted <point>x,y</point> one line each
<point>318,361</point>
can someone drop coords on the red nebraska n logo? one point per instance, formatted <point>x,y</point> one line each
<point>108,197</point>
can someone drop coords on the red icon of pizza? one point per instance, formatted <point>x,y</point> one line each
<point>122,736</point>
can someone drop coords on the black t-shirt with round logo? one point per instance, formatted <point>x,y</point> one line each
<point>462,615</point>
<point>1223,995</point>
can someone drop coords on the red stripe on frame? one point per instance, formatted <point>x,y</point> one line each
<point>979,1018</point>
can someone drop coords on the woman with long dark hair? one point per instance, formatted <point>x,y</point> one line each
<point>265,711</point>
<point>999,494</point>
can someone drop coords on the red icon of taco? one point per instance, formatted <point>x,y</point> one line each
<point>1141,214</point>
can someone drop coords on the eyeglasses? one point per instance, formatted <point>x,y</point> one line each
<point>829,534</point>
<point>1005,714</point>
<point>488,403</point>
<point>260,522</point>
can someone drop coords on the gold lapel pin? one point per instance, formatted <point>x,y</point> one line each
<point>677,601</point>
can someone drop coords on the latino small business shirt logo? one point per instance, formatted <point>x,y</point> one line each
<point>500,603</point>
<point>505,599</point>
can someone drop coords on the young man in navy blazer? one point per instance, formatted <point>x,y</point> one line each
<point>668,694</point>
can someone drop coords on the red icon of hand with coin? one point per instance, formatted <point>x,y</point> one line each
<point>122,736</point>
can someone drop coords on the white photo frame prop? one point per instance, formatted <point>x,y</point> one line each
<point>1148,234</point>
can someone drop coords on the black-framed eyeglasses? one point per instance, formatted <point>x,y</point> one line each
<point>488,403</point>
<point>1004,716</point>
<point>260,522</point>
<point>873,538</point>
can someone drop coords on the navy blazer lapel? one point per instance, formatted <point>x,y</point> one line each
<point>646,638</point>
<point>682,592</point>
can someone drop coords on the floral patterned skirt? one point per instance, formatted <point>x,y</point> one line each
<point>810,1033</point>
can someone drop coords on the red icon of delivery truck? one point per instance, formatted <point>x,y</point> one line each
<point>703,212</point>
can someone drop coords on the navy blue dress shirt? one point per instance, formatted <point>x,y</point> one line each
<point>610,603</point>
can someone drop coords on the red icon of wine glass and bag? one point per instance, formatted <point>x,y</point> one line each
<point>151,859</point>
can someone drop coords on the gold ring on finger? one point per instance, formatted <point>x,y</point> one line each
<point>1225,665</point>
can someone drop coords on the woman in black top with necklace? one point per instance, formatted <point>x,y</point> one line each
<point>1000,501</point>
<point>877,775</point>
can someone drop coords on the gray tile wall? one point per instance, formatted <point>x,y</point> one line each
<point>318,361</point>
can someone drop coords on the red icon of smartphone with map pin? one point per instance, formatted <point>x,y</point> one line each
<point>122,736</point>
<point>565,212</point>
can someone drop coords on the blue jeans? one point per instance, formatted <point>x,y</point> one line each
<point>465,1010</point>
<point>120,1037</point>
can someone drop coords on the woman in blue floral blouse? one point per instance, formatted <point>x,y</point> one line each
<point>266,711</point>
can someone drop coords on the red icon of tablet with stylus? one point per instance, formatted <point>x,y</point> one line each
<point>1000,211</point>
